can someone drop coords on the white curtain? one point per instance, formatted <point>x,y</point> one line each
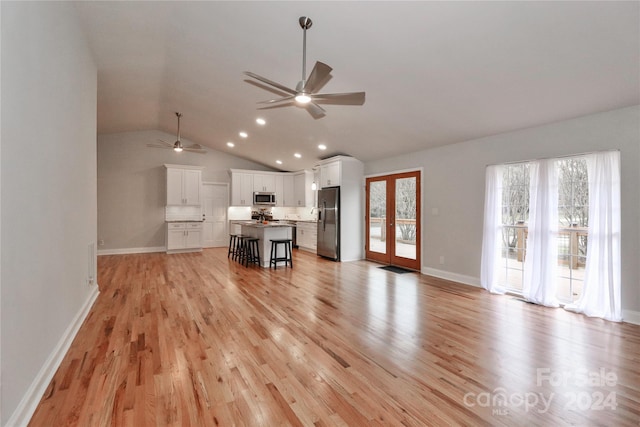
<point>541,261</point>
<point>601,291</point>
<point>492,233</point>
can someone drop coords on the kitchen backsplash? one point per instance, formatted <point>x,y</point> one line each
<point>301,214</point>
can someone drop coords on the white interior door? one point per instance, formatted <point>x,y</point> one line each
<point>215,204</point>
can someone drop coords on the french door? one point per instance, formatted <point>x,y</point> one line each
<point>393,219</point>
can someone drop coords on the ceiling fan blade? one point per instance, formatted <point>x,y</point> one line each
<point>266,87</point>
<point>276,105</point>
<point>270,82</point>
<point>160,146</point>
<point>318,77</point>
<point>195,150</point>
<point>272,101</point>
<point>316,111</point>
<point>350,98</point>
<point>165,143</point>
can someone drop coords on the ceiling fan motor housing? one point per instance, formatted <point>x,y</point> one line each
<point>305,22</point>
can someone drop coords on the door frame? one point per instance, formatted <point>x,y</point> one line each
<point>389,257</point>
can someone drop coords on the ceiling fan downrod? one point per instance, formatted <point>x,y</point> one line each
<point>305,23</point>
<point>177,146</point>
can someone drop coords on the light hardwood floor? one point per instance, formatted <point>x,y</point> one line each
<point>198,340</point>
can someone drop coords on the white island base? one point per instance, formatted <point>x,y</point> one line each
<point>265,233</point>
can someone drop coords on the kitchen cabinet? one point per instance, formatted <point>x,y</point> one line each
<point>241,189</point>
<point>330,174</point>
<point>184,184</point>
<point>302,192</point>
<point>307,236</point>
<point>264,182</point>
<point>291,189</point>
<point>285,194</point>
<point>184,237</point>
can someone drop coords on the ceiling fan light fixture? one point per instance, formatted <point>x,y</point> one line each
<point>303,98</point>
<point>177,147</point>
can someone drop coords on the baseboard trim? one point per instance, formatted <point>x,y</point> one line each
<point>631,316</point>
<point>124,251</point>
<point>31,398</point>
<point>454,277</point>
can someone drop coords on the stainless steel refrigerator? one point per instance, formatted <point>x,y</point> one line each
<point>329,223</point>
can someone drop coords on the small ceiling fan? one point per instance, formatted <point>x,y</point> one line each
<point>177,146</point>
<point>305,94</point>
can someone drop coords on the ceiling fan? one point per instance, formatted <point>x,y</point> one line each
<point>177,146</point>
<point>305,94</point>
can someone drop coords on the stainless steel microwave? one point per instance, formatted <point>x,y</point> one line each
<point>260,198</point>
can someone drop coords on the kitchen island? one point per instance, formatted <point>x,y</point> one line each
<point>265,233</point>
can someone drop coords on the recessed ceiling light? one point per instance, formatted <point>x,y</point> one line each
<point>279,162</point>
<point>297,155</point>
<point>230,144</point>
<point>322,147</point>
<point>243,134</point>
<point>261,121</point>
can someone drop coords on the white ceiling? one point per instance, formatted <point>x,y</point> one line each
<point>434,73</point>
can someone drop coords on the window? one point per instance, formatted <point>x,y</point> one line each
<point>573,215</point>
<point>573,212</point>
<point>564,244</point>
<point>515,214</point>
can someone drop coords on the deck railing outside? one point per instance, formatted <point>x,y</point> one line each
<point>572,255</point>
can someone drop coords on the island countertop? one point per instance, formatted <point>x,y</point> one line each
<point>270,224</point>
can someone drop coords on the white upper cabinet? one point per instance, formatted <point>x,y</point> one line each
<point>302,192</point>
<point>241,189</point>
<point>184,184</point>
<point>287,196</point>
<point>264,182</point>
<point>291,189</point>
<point>330,174</point>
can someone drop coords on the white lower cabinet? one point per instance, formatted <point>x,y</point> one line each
<point>184,237</point>
<point>307,236</point>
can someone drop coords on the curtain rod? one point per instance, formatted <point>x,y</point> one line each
<point>554,157</point>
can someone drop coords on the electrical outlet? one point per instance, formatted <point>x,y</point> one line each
<point>441,259</point>
<point>100,242</point>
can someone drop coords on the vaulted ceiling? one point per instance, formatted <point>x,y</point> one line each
<point>434,73</point>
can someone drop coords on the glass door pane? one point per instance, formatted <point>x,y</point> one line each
<point>405,215</point>
<point>378,217</point>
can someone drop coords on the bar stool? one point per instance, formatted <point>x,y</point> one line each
<point>233,241</point>
<point>288,256</point>
<point>238,253</point>
<point>251,251</point>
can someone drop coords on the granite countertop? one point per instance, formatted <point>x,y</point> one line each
<point>255,224</point>
<point>184,220</point>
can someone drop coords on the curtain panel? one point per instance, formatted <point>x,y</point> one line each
<point>540,264</point>
<point>601,295</point>
<point>492,233</point>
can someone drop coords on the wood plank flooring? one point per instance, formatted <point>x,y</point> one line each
<point>198,340</point>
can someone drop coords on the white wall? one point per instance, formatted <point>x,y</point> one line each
<point>453,182</point>
<point>48,193</point>
<point>132,185</point>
